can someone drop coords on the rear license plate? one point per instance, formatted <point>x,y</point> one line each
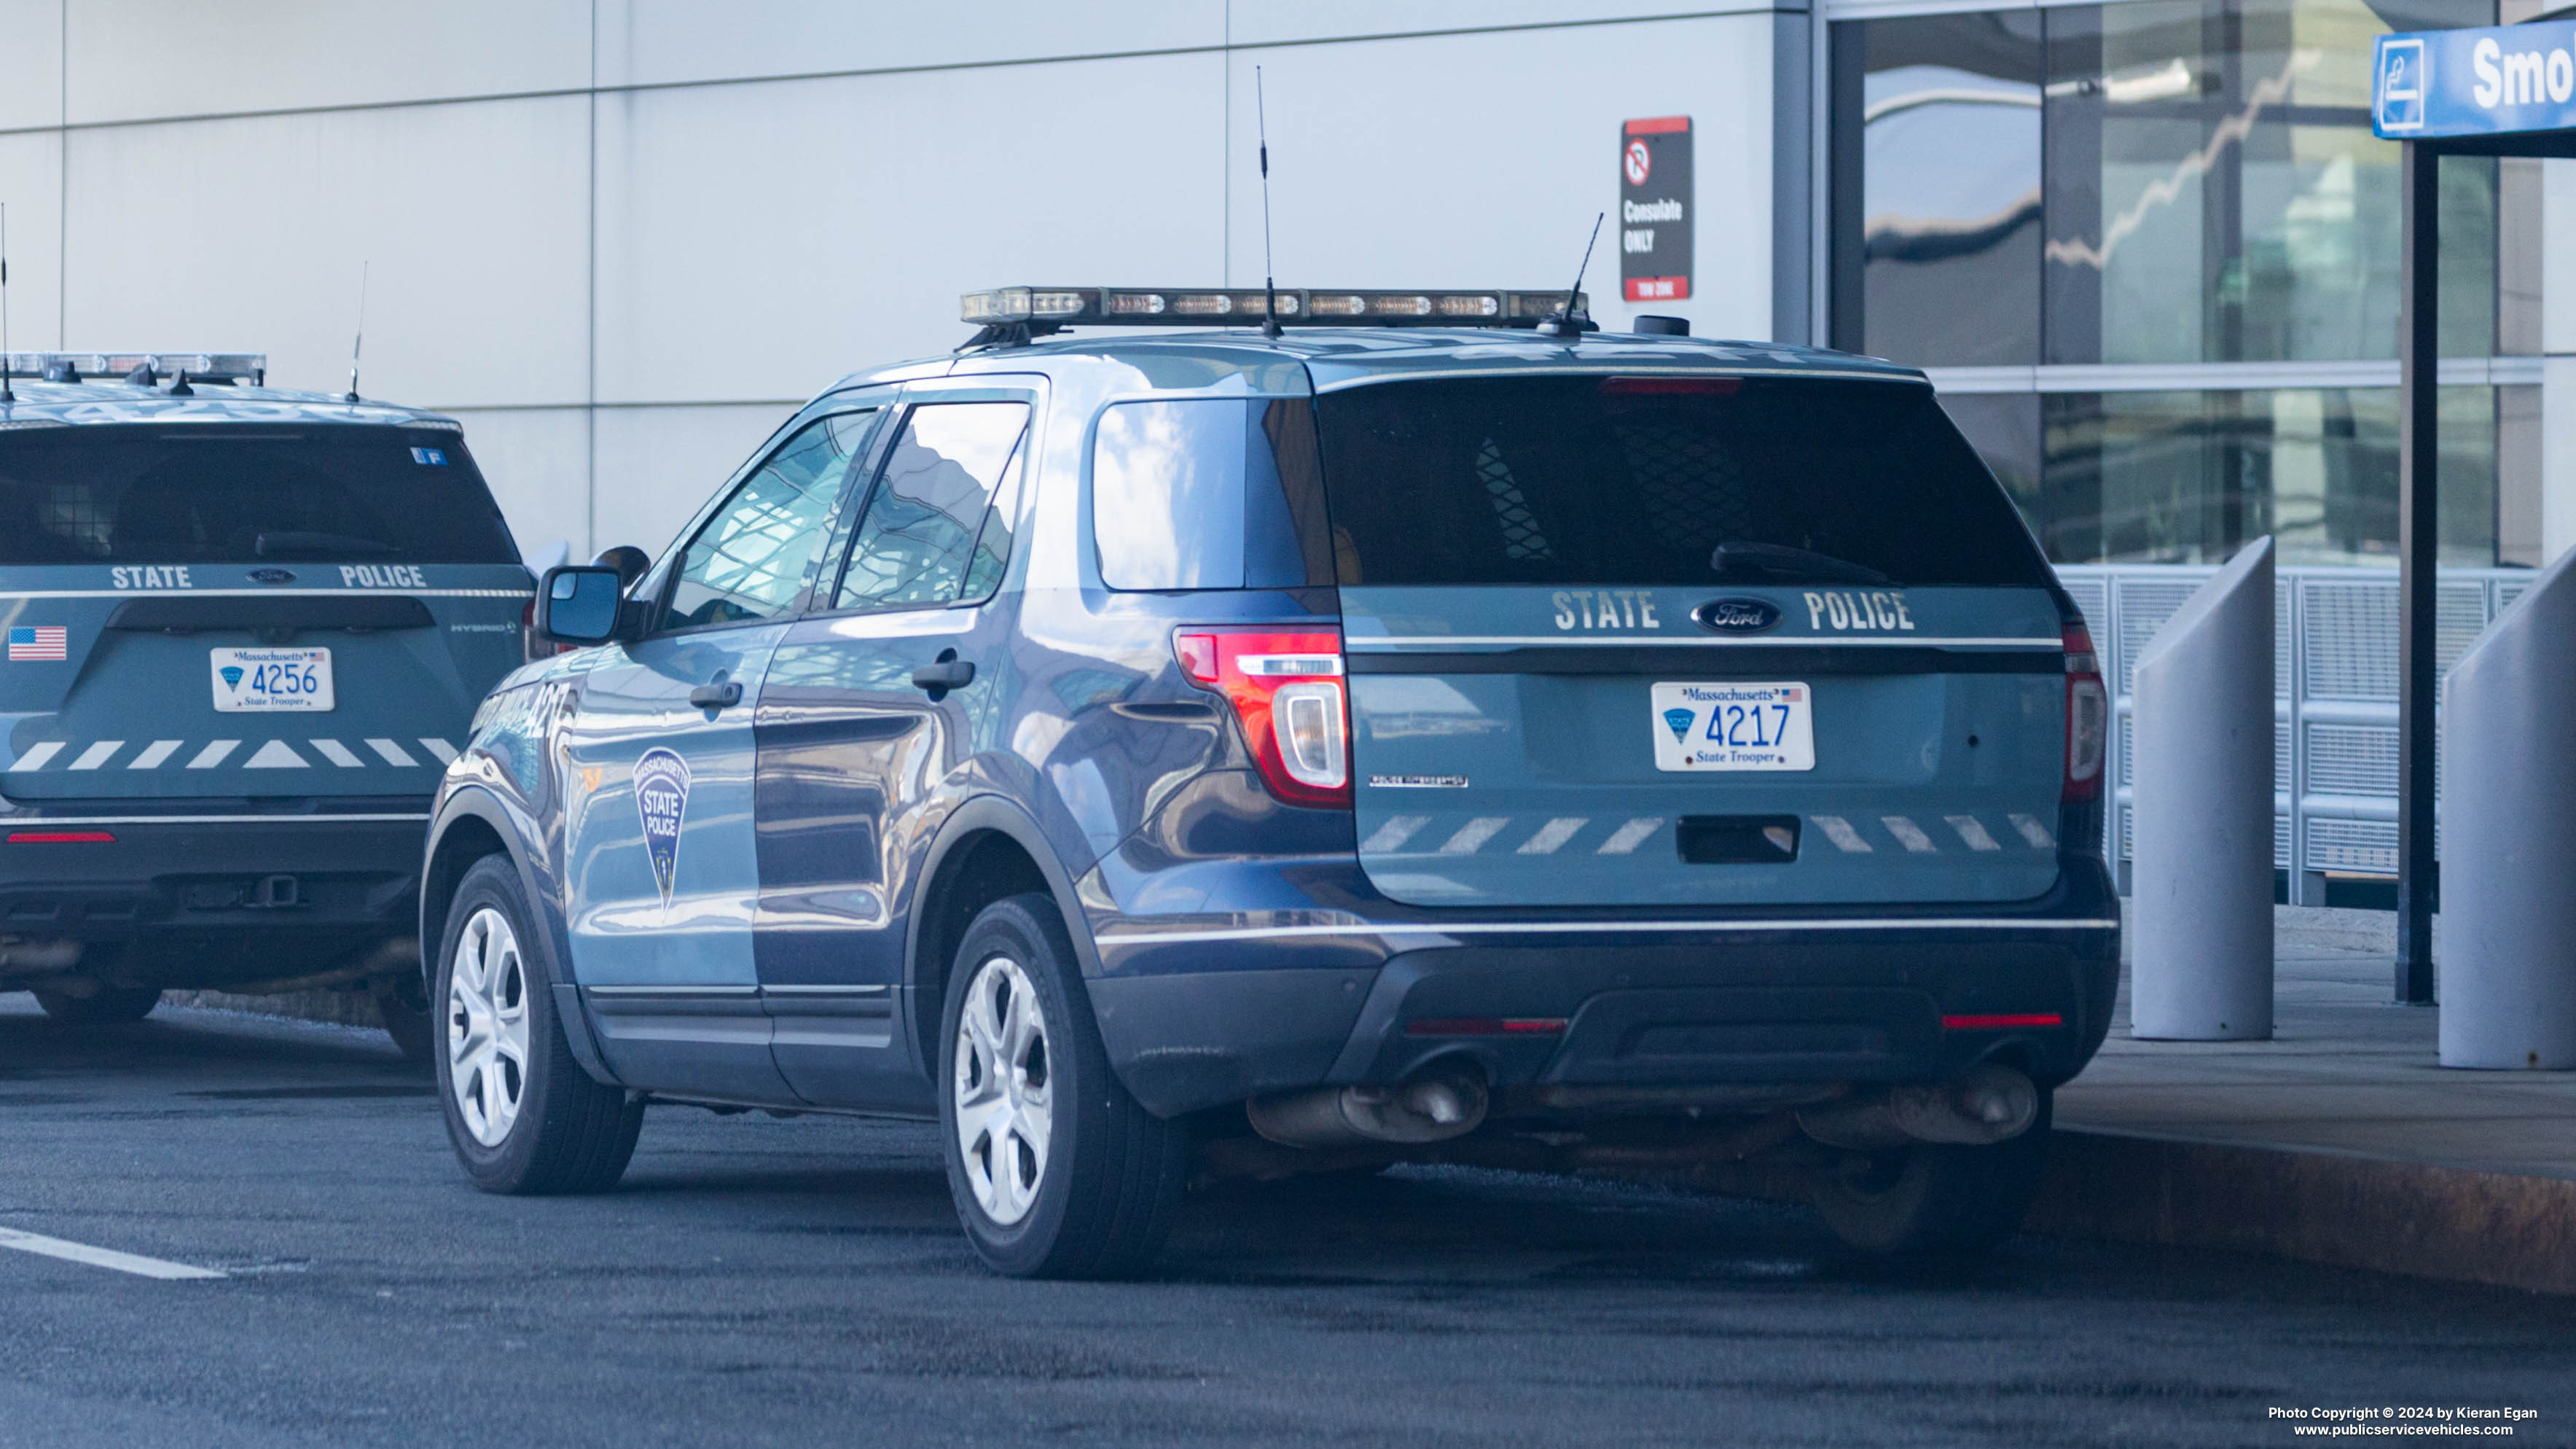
<point>1701,727</point>
<point>265,681</point>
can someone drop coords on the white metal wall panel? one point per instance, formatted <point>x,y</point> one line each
<point>659,42</point>
<point>1481,160</point>
<point>759,241</point>
<point>538,463</point>
<point>1272,22</point>
<point>148,59</point>
<point>31,184</point>
<point>251,233</point>
<point>31,67</point>
<point>656,465</point>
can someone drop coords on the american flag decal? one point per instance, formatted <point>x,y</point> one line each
<point>39,641</point>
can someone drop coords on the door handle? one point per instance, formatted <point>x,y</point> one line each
<point>949,673</point>
<point>716,694</point>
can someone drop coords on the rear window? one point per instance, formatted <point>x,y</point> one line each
<point>1208,493</point>
<point>243,494</point>
<point>1662,480</point>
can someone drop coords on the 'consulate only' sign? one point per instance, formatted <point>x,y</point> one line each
<point>2492,81</point>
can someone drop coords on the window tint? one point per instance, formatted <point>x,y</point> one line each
<point>754,556</point>
<point>1208,493</point>
<point>142,494</point>
<point>917,543</point>
<point>1662,480</point>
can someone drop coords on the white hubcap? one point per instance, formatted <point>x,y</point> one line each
<point>487,1027</point>
<point>1004,1090</point>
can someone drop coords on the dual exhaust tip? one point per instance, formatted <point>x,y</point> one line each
<point>1986,1104</point>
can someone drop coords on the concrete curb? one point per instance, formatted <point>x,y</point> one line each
<point>2354,1212</point>
<point>344,1008</point>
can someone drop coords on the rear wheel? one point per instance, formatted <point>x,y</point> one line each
<point>1056,1171</point>
<point>109,1006</point>
<point>524,1117</point>
<point>1933,1199</point>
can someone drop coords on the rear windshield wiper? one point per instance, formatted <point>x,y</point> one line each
<point>292,544</point>
<point>1790,565</point>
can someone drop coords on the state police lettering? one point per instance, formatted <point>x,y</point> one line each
<point>661,801</point>
<point>1853,609</point>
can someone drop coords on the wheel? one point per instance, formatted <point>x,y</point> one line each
<point>111,1006</point>
<point>403,1004</point>
<point>1056,1171</point>
<point>523,1115</point>
<point>1932,1199</point>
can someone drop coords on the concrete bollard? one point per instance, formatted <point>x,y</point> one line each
<point>2200,820</point>
<point>2508,964</point>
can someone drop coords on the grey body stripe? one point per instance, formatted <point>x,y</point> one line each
<point>210,819</point>
<point>528,593</point>
<point>1541,928</point>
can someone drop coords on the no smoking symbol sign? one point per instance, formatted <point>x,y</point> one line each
<point>1638,162</point>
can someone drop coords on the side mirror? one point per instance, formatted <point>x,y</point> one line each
<point>580,604</point>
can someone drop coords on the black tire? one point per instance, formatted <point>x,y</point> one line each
<point>403,1005</point>
<point>570,1134</point>
<point>1936,1200</point>
<point>112,1006</point>
<point>1113,1174</point>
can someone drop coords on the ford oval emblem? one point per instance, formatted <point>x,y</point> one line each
<point>271,576</point>
<point>1736,616</point>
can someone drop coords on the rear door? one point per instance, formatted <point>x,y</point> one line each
<point>1674,640</point>
<point>231,610</point>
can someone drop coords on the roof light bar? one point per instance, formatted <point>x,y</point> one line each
<point>1045,309</point>
<point>248,367</point>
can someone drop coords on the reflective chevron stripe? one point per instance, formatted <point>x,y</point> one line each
<point>69,755</point>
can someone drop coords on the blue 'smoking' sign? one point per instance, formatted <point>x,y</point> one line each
<point>2498,80</point>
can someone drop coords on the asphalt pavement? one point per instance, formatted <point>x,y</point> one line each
<point>760,1281</point>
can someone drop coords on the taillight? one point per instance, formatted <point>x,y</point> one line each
<point>534,646</point>
<point>1287,690</point>
<point>2088,716</point>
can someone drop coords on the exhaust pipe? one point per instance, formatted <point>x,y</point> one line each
<point>1989,1104</point>
<point>1430,1108</point>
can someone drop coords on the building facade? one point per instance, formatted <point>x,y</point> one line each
<point>2147,248</point>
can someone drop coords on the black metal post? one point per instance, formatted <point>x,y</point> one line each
<point>2418,536</point>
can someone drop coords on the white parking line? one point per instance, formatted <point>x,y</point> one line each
<point>101,1257</point>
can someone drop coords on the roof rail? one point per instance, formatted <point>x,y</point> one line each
<point>1016,315</point>
<point>250,367</point>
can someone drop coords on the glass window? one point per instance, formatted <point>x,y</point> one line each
<point>1946,109</point>
<point>2215,193</point>
<point>1618,480</point>
<point>239,494</point>
<point>2187,477</point>
<point>756,555</point>
<point>916,544</point>
<point>1208,493</point>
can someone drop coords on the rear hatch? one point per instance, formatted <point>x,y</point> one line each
<point>245,611</point>
<point>1688,640</point>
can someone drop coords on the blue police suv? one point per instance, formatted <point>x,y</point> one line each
<point>245,630</point>
<point>1430,729</point>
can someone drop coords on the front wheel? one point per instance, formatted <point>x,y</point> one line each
<point>1935,1199</point>
<point>524,1117</point>
<point>1056,1171</point>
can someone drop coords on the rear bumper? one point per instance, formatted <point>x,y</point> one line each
<point>192,887</point>
<point>1660,1004</point>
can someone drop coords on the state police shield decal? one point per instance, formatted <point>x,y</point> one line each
<point>661,800</point>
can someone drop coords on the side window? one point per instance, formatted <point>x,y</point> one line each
<point>1209,493</point>
<point>918,544</point>
<point>753,557</point>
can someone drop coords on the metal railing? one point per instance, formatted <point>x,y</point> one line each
<point>2334,730</point>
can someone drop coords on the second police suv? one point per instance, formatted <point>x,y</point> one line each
<point>1414,734</point>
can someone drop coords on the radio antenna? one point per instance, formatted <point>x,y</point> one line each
<point>1269,282</point>
<point>358,342</point>
<point>1569,323</point>
<point>6,394</point>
